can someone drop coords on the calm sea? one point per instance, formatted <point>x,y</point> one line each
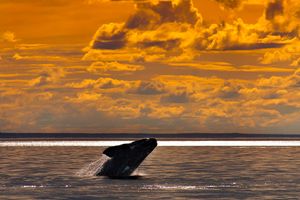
<point>168,173</point>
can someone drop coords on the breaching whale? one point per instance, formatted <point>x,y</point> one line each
<point>122,160</point>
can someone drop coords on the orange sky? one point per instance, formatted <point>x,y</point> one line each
<point>149,66</point>
<point>75,21</point>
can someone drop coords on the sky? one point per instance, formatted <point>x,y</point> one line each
<point>150,66</point>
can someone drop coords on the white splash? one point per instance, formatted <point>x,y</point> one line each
<point>138,172</point>
<point>93,168</point>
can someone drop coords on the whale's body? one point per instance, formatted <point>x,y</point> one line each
<point>122,160</point>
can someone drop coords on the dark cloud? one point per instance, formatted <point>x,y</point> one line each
<point>176,97</point>
<point>173,31</point>
<point>48,76</point>
<point>274,8</point>
<point>229,91</point>
<point>254,46</point>
<point>107,83</point>
<point>150,15</point>
<point>143,18</point>
<point>165,44</point>
<point>163,12</point>
<point>230,3</point>
<point>110,36</point>
<point>150,88</point>
<point>284,17</point>
<point>150,26</point>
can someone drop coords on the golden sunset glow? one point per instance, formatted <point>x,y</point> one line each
<point>150,66</point>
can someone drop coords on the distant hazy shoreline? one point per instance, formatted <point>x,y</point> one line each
<point>132,136</point>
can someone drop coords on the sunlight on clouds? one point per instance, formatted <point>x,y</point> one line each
<point>163,69</point>
<point>215,66</point>
<point>49,76</point>
<point>101,83</point>
<point>212,102</point>
<point>157,36</point>
<point>289,53</point>
<point>8,37</point>
<point>84,97</point>
<point>21,57</point>
<point>105,67</point>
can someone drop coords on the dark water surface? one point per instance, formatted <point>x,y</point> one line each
<point>168,173</point>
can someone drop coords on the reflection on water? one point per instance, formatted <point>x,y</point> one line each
<point>170,173</point>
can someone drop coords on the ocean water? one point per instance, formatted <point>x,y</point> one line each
<point>168,173</point>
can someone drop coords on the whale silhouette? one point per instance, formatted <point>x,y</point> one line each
<point>122,160</point>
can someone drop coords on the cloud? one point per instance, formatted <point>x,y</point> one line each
<point>155,31</point>
<point>109,36</point>
<point>223,66</point>
<point>288,53</point>
<point>8,37</point>
<point>161,112</point>
<point>274,9</point>
<point>296,62</point>
<point>149,88</point>
<point>155,14</point>
<point>284,16</point>
<point>101,83</point>
<point>48,76</point>
<point>84,97</point>
<point>177,102</point>
<point>178,73</point>
<point>19,57</point>
<point>238,36</point>
<point>173,31</point>
<point>176,97</point>
<point>104,67</point>
<point>230,3</point>
<point>229,90</point>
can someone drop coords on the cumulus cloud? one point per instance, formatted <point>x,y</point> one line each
<point>237,36</point>
<point>230,3</point>
<point>229,90</point>
<point>289,53</point>
<point>284,16</point>
<point>84,97</point>
<point>8,36</point>
<point>296,62</point>
<point>153,32</point>
<point>105,67</point>
<point>19,57</point>
<point>160,112</point>
<point>227,67</point>
<point>100,83</point>
<point>166,94</point>
<point>173,31</point>
<point>48,76</point>
<point>177,103</point>
<point>149,88</point>
<point>274,9</point>
<point>285,20</point>
<point>260,103</point>
<point>176,97</point>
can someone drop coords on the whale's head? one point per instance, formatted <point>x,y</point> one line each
<point>125,158</point>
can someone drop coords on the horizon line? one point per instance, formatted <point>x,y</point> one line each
<point>160,143</point>
<point>124,134</point>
